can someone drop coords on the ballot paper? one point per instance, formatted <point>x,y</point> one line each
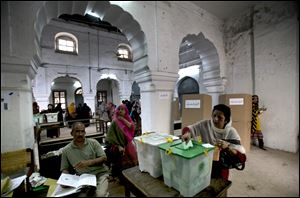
<point>15,183</point>
<point>187,145</point>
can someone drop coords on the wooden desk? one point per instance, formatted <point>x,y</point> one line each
<point>42,126</point>
<point>142,184</point>
<point>17,163</point>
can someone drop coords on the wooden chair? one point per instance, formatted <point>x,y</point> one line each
<point>101,126</point>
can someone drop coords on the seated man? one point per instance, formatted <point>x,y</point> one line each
<point>85,155</point>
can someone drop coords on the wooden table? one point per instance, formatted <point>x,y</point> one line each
<point>142,184</point>
<point>43,126</point>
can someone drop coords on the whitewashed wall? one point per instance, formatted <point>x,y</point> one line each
<point>276,64</point>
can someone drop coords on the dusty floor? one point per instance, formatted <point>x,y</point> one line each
<point>270,173</point>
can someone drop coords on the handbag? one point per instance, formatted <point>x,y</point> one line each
<point>229,160</point>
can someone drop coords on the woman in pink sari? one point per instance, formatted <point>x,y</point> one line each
<point>120,150</point>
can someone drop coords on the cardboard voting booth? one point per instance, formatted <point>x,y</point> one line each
<point>241,110</point>
<point>195,107</point>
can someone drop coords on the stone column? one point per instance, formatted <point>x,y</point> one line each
<point>215,88</point>
<point>89,99</point>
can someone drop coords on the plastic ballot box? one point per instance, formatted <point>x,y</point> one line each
<point>148,151</point>
<point>187,170</point>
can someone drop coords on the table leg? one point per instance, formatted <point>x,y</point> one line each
<point>127,191</point>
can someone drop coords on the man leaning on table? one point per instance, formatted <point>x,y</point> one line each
<point>85,155</point>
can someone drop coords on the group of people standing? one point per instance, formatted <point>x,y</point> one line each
<point>107,110</point>
<point>81,113</point>
<point>50,109</point>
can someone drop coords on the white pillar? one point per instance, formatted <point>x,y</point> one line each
<point>156,101</point>
<point>17,127</point>
<point>89,99</point>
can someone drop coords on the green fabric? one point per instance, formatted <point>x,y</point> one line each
<point>72,155</point>
<point>115,136</point>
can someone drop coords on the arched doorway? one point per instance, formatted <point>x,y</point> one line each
<point>107,91</point>
<point>63,90</point>
<point>198,50</point>
<point>135,92</point>
<point>78,96</point>
<point>187,86</point>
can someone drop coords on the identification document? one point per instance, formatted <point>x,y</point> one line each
<point>68,184</point>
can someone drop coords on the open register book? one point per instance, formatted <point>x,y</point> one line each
<point>68,184</point>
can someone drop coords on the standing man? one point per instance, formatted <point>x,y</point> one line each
<point>85,155</point>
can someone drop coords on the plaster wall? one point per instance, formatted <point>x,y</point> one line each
<point>239,78</point>
<point>276,83</point>
<point>274,76</point>
<point>165,24</point>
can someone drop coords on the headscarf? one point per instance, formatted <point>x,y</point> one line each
<point>128,132</point>
<point>209,133</point>
<point>71,108</point>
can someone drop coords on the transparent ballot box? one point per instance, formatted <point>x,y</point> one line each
<point>187,170</point>
<point>148,152</point>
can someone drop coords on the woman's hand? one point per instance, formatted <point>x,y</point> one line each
<point>222,144</point>
<point>121,150</point>
<point>121,118</point>
<point>128,124</point>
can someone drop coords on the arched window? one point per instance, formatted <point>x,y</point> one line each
<point>124,53</point>
<point>66,43</point>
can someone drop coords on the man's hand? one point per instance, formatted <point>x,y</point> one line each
<point>82,165</point>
